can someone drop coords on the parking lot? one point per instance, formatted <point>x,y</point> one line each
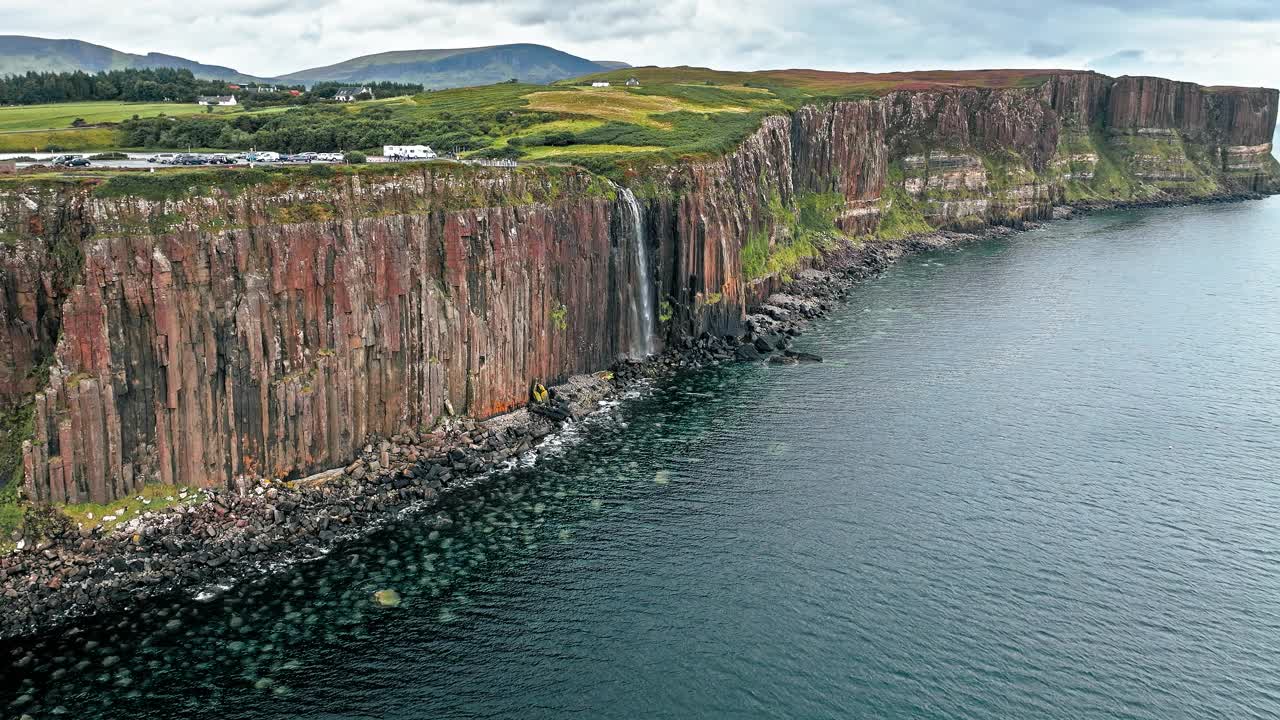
<point>147,159</point>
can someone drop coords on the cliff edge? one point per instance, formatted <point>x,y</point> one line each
<point>195,327</point>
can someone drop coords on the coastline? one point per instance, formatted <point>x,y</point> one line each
<point>228,535</point>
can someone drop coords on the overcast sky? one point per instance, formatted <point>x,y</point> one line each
<point>1223,42</point>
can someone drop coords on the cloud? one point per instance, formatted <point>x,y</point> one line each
<point>1230,41</point>
<point>1118,58</point>
<point>1046,49</point>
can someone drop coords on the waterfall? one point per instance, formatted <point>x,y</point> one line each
<point>641,289</point>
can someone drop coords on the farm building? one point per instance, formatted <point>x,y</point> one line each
<point>349,94</point>
<point>216,100</point>
<point>599,84</point>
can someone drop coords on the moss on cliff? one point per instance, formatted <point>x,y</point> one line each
<point>900,214</point>
<point>17,425</point>
<point>798,235</point>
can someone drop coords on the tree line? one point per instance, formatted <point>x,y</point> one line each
<point>165,84</point>
<point>326,128</point>
<point>143,85</point>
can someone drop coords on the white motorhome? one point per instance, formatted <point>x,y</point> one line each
<point>408,152</point>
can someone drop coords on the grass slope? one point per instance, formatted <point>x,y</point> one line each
<point>56,116</point>
<point>36,128</point>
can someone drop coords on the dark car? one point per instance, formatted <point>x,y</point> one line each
<point>185,159</point>
<point>71,161</point>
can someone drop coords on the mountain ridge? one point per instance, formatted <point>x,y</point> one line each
<point>435,68</point>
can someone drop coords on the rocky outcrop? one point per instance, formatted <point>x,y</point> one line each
<point>269,328</point>
<point>1222,116</point>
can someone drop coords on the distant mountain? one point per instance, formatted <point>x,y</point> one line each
<point>457,67</point>
<point>20,53</point>
<point>612,64</point>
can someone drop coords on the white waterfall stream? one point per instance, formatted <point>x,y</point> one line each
<point>642,327</point>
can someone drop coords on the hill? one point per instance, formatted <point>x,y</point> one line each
<point>435,69</point>
<point>457,67</point>
<point>21,53</point>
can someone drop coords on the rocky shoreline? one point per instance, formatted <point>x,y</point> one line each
<point>67,574</point>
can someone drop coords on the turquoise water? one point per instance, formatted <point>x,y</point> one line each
<point>1035,478</point>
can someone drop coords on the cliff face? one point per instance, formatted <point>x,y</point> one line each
<point>271,328</point>
<point>192,353</point>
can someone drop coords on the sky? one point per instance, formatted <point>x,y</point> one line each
<point>1233,42</point>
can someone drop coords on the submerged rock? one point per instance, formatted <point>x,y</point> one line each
<point>387,598</point>
<point>803,356</point>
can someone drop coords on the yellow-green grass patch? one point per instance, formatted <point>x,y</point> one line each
<point>616,104</point>
<point>78,139</point>
<point>544,152</point>
<point>54,116</point>
<point>154,497</point>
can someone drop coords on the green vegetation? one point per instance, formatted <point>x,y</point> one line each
<point>900,214</point>
<point>154,497</point>
<point>559,317</point>
<point>798,235</point>
<point>178,184</point>
<point>130,85</point>
<point>59,140</point>
<point>16,425</point>
<point>53,128</point>
<point>1135,167</point>
<point>665,312</point>
<point>57,116</point>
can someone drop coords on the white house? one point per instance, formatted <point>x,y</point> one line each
<point>349,94</point>
<point>403,152</point>
<point>216,100</point>
<point>599,83</point>
<point>632,82</point>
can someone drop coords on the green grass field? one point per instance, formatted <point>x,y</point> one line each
<point>57,116</point>
<point>70,140</point>
<point>36,128</point>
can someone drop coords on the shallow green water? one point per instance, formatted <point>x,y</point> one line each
<point>1038,477</point>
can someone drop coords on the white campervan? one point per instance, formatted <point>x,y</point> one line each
<point>408,152</point>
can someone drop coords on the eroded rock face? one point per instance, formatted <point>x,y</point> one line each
<point>270,331</point>
<point>1223,116</point>
<point>196,355</point>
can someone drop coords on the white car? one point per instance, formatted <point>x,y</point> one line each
<point>162,158</point>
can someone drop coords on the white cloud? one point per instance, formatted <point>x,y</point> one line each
<point>1229,42</point>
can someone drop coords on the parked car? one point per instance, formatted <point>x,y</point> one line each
<point>161,158</point>
<point>188,159</point>
<point>264,157</point>
<point>219,159</point>
<point>71,161</point>
<point>329,157</point>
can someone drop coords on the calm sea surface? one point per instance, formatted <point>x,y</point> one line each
<point>1035,478</point>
